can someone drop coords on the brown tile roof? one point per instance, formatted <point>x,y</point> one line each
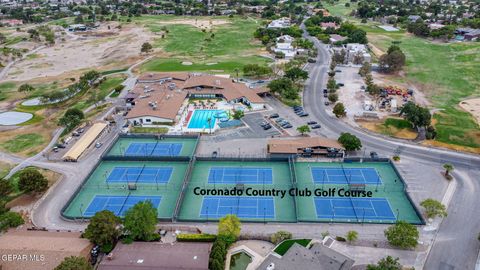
<point>169,101</point>
<point>158,256</point>
<point>292,145</point>
<point>53,247</point>
<point>163,75</point>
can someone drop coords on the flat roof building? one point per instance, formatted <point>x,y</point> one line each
<point>305,146</point>
<point>158,256</point>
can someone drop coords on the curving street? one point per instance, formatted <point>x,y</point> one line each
<point>454,248</point>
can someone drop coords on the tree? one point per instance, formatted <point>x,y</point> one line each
<point>387,263</point>
<point>280,236</point>
<point>350,141</point>
<point>238,114</point>
<point>146,47</point>
<point>140,221</point>
<point>365,69</point>
<point>303,129</point>
<point>392,61</point>
<point>74,263</point>
<point>352,236</point>
<point>402,235</point>
<point>433,208</point>
<point>71,118</point>
<point>25,88</point>
<point>331,85</point>
<point>417,115</point>
<point>296,73</point>
<point>229,226</point>
<point>339,110</point>
<point>5,187</point>
<point>103,229</point>
<point>31,180</point>
<point>10,220</point>
<point>448,168</point>
<point>333,97</point>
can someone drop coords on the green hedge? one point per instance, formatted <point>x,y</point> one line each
<point>190,237</point>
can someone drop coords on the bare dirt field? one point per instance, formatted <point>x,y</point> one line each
<point>102,48</point>
<point>199,23</point>
<point>472,106</point>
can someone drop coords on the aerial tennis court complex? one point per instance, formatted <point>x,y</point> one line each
<point>166,172</point>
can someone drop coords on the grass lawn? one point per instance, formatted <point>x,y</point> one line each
<point>220,66</point>
<point>4,168</point>
<point>6,88</point>
<point>107,86</point>
<point>23,142</point>
<point>220,50</point>
<point>285,245</point>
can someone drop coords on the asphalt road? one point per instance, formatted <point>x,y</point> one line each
<point>456,245</point>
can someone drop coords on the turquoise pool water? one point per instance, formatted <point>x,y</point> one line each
<point>200,118</point>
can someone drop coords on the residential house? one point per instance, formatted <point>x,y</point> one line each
<point>413,18</point>
<point>280,23</point>
<point>284,45</point>
<point>317,257</point>
<point>157,256</point>
<point>336,38</point>
<point>469,34</point>
<point>325,25</point>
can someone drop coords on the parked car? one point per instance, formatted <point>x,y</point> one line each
<point>275,115</point>
<point>267,127</point>
<point>311,122</point>
<point>55,149</point>
<point>125,126</point>
<point>311,60</point>
<point>75,134</point>
<point>304,114</point>
<point>284,124</point>
<point>263,124</point>
<point>80,130</point>
<point>325,90</point>
<point>315,126</point>
<point>98,145</point>
<point>340,84</point>
<point>298,109</point>
<point>373,154</point>
<point>279,120</point>
<point>327,103</point>
<point>287,126</point>
<point>60,145</point>
<point>338,70</point>
<point>325,94</point>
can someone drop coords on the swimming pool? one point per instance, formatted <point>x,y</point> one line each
<point>200,118</point>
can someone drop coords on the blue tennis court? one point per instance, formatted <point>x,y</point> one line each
<point>243,207</point>
<point>154,149</point>
<point>140,175</point>
<point>240,175</point>
<point>366,176</point>
<point>117,204</point>
<point>354,208</point>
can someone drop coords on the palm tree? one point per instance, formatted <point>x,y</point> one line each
<point>448,168</point>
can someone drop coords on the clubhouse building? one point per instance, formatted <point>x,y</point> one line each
<point>170,98</point>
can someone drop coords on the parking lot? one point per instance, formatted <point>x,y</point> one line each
<point>253,121</point>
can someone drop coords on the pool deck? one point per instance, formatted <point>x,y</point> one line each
<point>258,250</point>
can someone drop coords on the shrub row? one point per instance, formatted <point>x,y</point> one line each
<point>191,237</point>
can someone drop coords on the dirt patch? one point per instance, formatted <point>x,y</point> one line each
<point>378,127</point>
<point>472,106</point>
<point>199,23</point>
<point>451,146</point>
<point>114,47</point>
<point>419,96</point>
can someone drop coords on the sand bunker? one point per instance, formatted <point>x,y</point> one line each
<point>472,106</point>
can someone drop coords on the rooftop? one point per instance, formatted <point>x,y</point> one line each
<point>318,257</point>
<point>158,256</point>
<point>291,145</point>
